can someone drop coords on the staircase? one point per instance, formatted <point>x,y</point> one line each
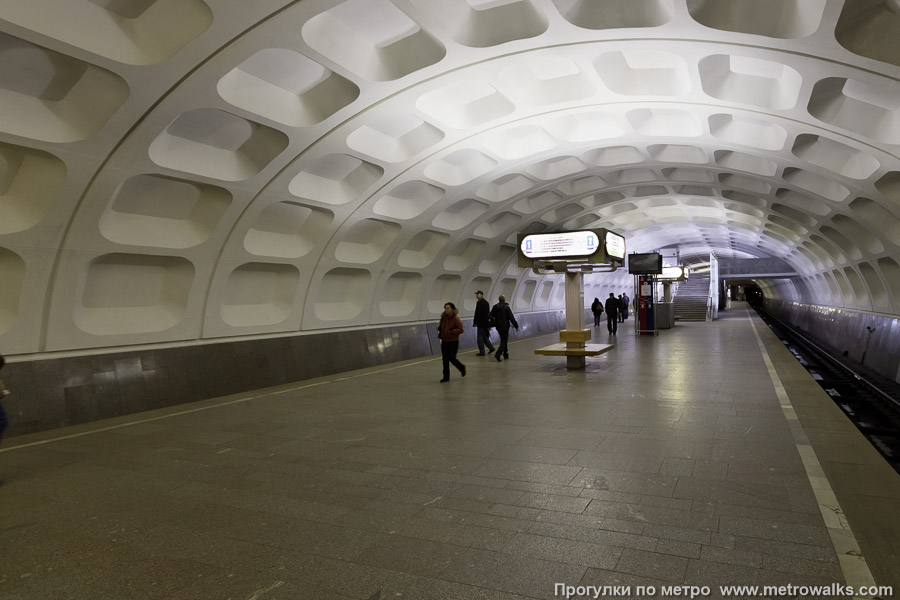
<point>690,300</point>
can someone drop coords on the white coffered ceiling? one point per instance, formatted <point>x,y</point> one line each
<point>177,170</point>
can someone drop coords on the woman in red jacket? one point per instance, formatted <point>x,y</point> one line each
<point>449,331</point>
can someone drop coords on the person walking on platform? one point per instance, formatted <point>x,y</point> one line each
<point>597,309</point>
<point>4,420</point>
<point>625,302</point>
<point>502,316</point>
<point>612,313</point>
<point>480,321</point>
<point>621,308</point>
<point>449,330</point>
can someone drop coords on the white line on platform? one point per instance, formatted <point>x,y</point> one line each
<point>853,564</point>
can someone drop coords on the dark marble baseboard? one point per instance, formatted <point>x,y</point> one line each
<point>57,392</point>
<point>844,331</point>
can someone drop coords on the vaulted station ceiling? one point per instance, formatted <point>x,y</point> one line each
<point>177,170</point>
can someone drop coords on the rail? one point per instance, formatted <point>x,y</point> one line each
<point>826,354</point>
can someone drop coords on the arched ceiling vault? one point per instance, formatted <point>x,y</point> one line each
<point>176,170</point>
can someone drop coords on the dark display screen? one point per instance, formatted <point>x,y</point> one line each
<point>645,264</point>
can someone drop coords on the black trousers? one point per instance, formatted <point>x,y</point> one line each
<point>4,420</point>
<point>612,322</point>
<point>504,337</point>
<point>448,354</point>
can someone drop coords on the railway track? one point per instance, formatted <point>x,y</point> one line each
<point>871,402</point>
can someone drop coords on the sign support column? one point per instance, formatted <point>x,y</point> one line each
<point>574,318</point>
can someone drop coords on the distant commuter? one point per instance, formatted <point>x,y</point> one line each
<point>612,313</point>
<point>502,316</point>
<point>4,420</point>
<point>597,309</point>
<point>621,308</point>
<point>626,301</point>
<point>480,321</point>
<point>449,330</point>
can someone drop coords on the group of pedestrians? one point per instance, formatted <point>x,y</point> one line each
<point>500,317</point>
<point>616,311</point>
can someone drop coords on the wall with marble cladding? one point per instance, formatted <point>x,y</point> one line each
<point>845,331</point>
<point>57,392</point>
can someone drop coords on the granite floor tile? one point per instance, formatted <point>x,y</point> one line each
<point>676,503</point>
<point>487,494</point>
<point>704,469</point>
<point>250,585</point>
<point>552,502</point>
<point>730,492</point>
<point>632,483</point>
<point>515,512</point>
<point>572,490</point>
<point>652,564</point>
<point>529,577</point>
<point>528,472</point>
<point>676,548</point>
<point>321,539</point>
<point>777,548</point>
<point>715,574</point>
<point>613,496</point>
<point>564,550</point>
<point>679,467</point>
<point>624,585</point>
<point>459,504</point>
<point>593,536</point>
<point>409,555</point>
<point>462,447</point>
<point>460,517</point>
<point>502,434</point>
<point>730,556</point>
<point>483,538</point>
<point>652,514</point>
<point>402,585</point>
<point>535,454</point>
<point>677,533</point>
<point>644,447</point>
<point>774,530</point>
<point>563,438</point>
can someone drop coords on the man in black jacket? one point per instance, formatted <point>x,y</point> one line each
<point>612,313</point>
<point>480,321</point>
<point>502,315</point>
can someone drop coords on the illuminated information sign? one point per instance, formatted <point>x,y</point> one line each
<point>615,245</point>
<point>673,273</point>
<point>555,245</point>
<point>589,246</point>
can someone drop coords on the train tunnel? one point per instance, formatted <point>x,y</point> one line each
<point>202,200</point>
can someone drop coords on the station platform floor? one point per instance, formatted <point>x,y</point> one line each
<point>705,456</point>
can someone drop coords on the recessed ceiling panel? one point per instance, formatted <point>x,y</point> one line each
<point>372,38</point>
<point>287,87</point>
<point>53,97</point>
<point>217,144</point>
<point>136,32</point>
<point>485,23</point>
<point>29,182</point>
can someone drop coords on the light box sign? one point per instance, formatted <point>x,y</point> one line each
<point>673,274</point>
<point>597,246</point>
<point>557,245</point>
<point>615,245</point>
